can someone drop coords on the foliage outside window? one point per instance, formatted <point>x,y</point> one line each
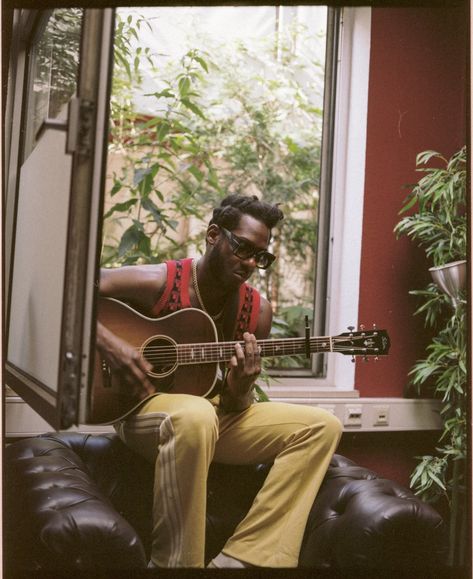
<point>227,119</point>
<point>54,62</point>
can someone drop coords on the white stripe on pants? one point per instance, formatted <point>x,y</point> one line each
<point>182,434</point>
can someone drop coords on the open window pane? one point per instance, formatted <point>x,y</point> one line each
<point>54,188</point>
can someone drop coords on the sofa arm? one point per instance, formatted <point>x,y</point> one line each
<point>362,521</point>
<point>58,517</point>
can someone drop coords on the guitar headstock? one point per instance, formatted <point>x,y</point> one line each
<point>364,342</point>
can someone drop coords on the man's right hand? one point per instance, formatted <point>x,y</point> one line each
<point>125,361</point>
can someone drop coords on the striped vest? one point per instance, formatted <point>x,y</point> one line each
<point>176,297</point>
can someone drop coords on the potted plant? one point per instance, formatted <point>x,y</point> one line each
<point>437,222</point>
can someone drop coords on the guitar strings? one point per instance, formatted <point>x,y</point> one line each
<point>277,343</point>
<point>188,360</point>
<point>262,343</point>
<point>216,351</point>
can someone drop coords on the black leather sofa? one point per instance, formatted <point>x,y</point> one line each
<point>74,502</point>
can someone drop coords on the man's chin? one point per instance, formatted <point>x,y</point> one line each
<point>240,277</point>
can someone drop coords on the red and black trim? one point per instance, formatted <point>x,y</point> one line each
<point>176,297</point>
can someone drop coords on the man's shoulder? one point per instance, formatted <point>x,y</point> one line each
<point>154,273</point>
<point>140,285</point>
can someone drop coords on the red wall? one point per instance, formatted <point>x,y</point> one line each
<point>391,455</point>
<point>417,101</point>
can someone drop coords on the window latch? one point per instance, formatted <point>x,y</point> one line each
<point>77,126</point>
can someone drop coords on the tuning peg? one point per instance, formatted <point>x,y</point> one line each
<point>353,359</point>
<point>376,358</point>
<point>365,358</point>
<point>351,328</point>
<point>362,327</point>
<point>374,327</point>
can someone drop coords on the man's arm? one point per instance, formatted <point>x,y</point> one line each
<point>245,365</point>
<point>139,285</point>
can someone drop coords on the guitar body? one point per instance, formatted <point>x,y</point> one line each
<point>109,398</point>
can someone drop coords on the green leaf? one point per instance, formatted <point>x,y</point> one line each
<point>409,204</point>
<point>193,107</point>
<point>162,131</point>
<point>184,86</point>
<point>144,245</point>
<point>193,170</point>
<point>148,204</point>
<point>202,63</point>
<point>151,123</point>
<point>124,62</point>
<point>117,186</point>
<point>166,93</point>
<point>426,156</point>
<point>120,207</point>
<point>139,175</point>
<point>130,238</point>
<point>437,480</point>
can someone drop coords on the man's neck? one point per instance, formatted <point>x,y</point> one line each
<point>213,293</point>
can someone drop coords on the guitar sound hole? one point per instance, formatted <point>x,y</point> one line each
<point>161,354</point>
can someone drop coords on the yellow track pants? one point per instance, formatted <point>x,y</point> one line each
<point>182,434</point>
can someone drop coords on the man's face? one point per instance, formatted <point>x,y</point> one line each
<point>229,269</point>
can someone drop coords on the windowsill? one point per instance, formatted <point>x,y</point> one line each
<point>306,389</point>
<point>309,387</point>
<point>374,414</point>
<point>402,414</point>
<point>21,421</point>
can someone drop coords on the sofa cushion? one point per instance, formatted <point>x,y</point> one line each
<point>59,509</point>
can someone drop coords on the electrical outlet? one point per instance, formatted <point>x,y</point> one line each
<point>353,415</point>
<point>381,415</point>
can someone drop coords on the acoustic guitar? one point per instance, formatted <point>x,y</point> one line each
<point>185,352</point>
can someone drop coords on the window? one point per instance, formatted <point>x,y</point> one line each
<point>196,114</point>
<point>53,189</point>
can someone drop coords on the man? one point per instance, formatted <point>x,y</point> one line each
<point>181,434</point>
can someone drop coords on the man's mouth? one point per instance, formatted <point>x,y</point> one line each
<point>244,275</point>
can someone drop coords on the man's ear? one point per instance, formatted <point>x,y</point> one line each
<point>213,234</point>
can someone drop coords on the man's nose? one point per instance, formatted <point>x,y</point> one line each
<point>251,261</point>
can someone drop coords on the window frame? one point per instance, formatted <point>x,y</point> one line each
<point>341,208</point>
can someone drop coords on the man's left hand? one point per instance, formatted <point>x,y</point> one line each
<point>245,367</point>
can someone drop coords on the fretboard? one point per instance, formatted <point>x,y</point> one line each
<point>223,351</point>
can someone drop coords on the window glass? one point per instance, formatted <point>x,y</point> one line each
<point>54,62</point>
<point>208,101</point>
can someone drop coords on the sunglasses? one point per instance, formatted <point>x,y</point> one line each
<point>243,249</point>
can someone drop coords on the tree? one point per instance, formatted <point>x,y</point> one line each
<point>228,119</point>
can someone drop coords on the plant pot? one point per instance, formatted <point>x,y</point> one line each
<point>450,278</point>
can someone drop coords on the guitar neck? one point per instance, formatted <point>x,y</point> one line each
<point>223,351</point>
